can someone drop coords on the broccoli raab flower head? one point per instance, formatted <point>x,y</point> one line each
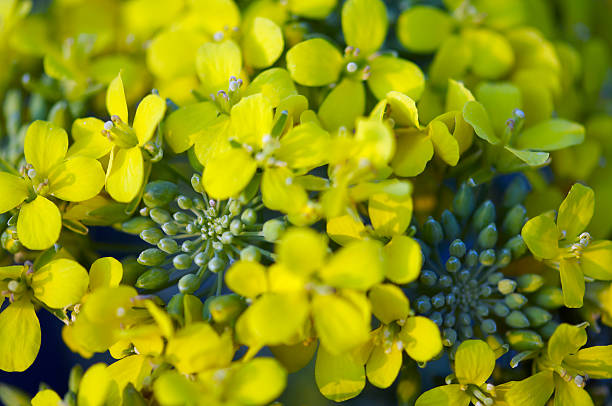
<point>296,202</point>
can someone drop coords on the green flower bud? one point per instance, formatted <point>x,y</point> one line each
<point>74,379</point>
<point>272,229</point>
<point>450,225</point>
<point>432,232</point>
<point>449,337</point>
<point>189,283</point>
<point>226,308</point>
<point>249,217</point>
<point>488,326</point>
<point>151,257</point>
<point>487,257</point>
<point>549,297</point>
<point>235,207</point>
<point>216,264</point>
<point>529,283</point>
<point>159,193</point>
<point>160,216</point>
<point>514,220</point>
<point>517,319</point>
<point>250,253</point>
<point>484,215</point>
<point>453,264</point>
<point>152,235</point>
<point>457,249</point>
<point>170,228</point>
<point>136,225</point>
<point>181,261</point>
<point>131,270</point>
<point>227,237</point>
<point>168,245</point>
<point>464,201</point>
<point>58,114</point>
<point>201,259</point>
<point>428,278</point>
<point>506,286</point>
<point>9,241</point>
<point>516,192</point>
<point>175,305</point>
<point>184,202</point>
<point>488,236</point>
<point>182,217</point>
<point>12,221</point>
<point>524,340</point>
<point>196,183</point>
<point>501,309</point>
<point>517,246</point>
<point>153,279</point>
<point>537,316</point>
<point>495,277</point>
<point>504,257</point>
<point>471,258</point>
<point>423,304</point>
<point>189,246</point>
<point>515,300</point>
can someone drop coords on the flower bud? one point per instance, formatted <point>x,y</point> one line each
<point>487,238</point>
<point>182,217</point>
<point>464,201</point>
<point>537,316</point>
<point>549,297</point>
<point>501,310</point>
<point>517,319</point>
<point>457,249</point>
<point>201,259</point>
<point>432,232</point>
<point>181,261</point>
<point>484,215</point>
<point>249,217</point>
<point>488,326</point>
<point>189,283</point>
<point>506,286</point>
<point>170,228</point>
<point>160,216</point>
<point>516,192</point>
<point>272,230</point>
<point>548,329</point>
<point>153,279</point>
<point>450,225</point>
<point>159,193</point>
<point>151,257</point>
<point>529,283</point>
<point>428,278</point>
<point>487,257</point>
<point>514,220</point>
<point>152,235</point>
<point>136,225</point>
<point>517,246</point>
<point>184,202</point>
<point>250,253</point>
<point>168,245</point>
<point>449,337</point>
<point>196,183</point>
<point>515,300</point>
<point>524,340</point>
<point>74,379</point>
<point>216,264</point>
<point>471,258</point>
<point>226,308</point>
<point>453,264</point>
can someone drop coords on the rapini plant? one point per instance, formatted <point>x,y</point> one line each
<point>237,202</point>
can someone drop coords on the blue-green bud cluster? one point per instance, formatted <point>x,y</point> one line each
<point>462,286</point>
<point>195,236</point>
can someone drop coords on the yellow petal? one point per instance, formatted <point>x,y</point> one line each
<point>247,278</point>
<point>302,250</point>
<point>256,382</point>
<point>474,362</point>
<point>216,63</point>
<point>251,119</point>
<point>60,283</point>
<point>343,105</point>
<point>391,73</point>
<point>344,229</point>
<point>172,53</point>
<point>46,397</point>
<point>105,272</point>
<point>76,179</point>
<point>115,99</point>
<point>382,367</point>
<point>125,174</point>
<point>148,115</point>
<point>414,150</point>
<point>13,190</point>
<point>364,24</point>
<point>279,192</point>
<point>445,145</point>
<point>389,216</point>
<point>39,224</point>
<point>304,146</point>
<point>94,386</point>
<point>183,125</point>
<point>45,146</point>
<point>20,336</point>
<point>358,265</point>
<point>314,62</point>
<point>421,338</point>
<point>89,140</point>
<point>404,259</point>
<point>339,377</point>
<point>262,43</point>
<point>228,173</point>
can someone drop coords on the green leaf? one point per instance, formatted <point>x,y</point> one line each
<point>569,394</point>
<point>256,382</point>
<point>551,135</point>
<point>596,362</point>
<point>364,24</point>
<point>576,211</point>
<point>343,105</point>
<point>389,73</point>
<point>314,62</point>
<point>531,158</point>
<point>541,236</point>
<point>566,340</point>
<point>572,282</point>
<point>447,395</point>
<point>474,362</point>
<point>20,336</point>
<point>532,391</point>
<point>423,29</point>
<point>339,377</point>
<point>476,115</point>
